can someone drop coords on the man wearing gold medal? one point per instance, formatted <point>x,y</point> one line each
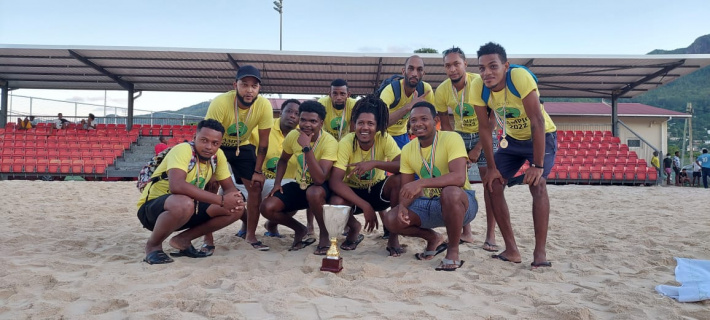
<point>442,197</point>
<point>338,108</point>
<point>358,177</point>
<point>241,111</point>
<point>455,94</point>
<point>315,150</point>
<point>528,135</point>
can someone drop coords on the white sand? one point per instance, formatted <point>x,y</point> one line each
<point>73,250</point>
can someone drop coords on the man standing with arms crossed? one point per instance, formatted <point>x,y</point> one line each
<point>241,111</point>
<point>528,134</point>
<point>455,94</point>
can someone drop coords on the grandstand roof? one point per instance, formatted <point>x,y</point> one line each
<point>212,70</point>
<point>603,109</point>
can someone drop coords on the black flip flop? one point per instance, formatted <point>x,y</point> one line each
<point>424,255</point>
<point>546,264</point>
<point>502,258</point>
<point>190,252</point>
<point>303,244</point>
<point>445,262</point>
<point>157,257</point>
<point>348,243</point>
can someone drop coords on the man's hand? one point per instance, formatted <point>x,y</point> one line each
<point>277,188</point>
<point>491,176</point>
<point>360,168</point>
<point>533,176</point>
<point>257,179</point>
<point>411,190</point>
<point>403,215</point>
<point>371,222</point>
<point>418,99</point>
<point>234,202</point>
<point>304,140</point>
<point>475,153</point>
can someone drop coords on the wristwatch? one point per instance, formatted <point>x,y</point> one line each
<point>536,166</point>
<point>306,149</point>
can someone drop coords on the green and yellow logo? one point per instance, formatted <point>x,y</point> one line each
<point>271,164</point>
<point>201,185</point>
<point>424,173</point>
<point>467,110</point>
<point>510,112</point>
<point>232,130</point>
<point>335,123</point>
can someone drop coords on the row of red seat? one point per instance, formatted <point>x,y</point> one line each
<point>49,166</point>
<point>616,140</point>
<point>580,133</point>
<point>589,161</point>
<point>618,174</point>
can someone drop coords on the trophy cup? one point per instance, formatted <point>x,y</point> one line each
<point>335,218</point>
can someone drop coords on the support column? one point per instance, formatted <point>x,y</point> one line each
<point>3,104</point>
<point>614,115</point>
<point>129,116</point>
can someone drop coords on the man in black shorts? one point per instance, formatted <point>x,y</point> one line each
<point>175,198</point>
<point>315,150</point>
<point>241,111</point>
<point>358,177</point>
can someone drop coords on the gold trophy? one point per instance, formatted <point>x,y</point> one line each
<point>335,219</point>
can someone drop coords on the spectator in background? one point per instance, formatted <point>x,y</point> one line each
<point>656,163</point>
<point>676,167</point>
<point>24,124</point>
<point>696,174</point>
<point>162,145</point>
<point>89,124</point>
<point>667,164</point>
<point>704,161</point>
<point>683,178</point>
<point>60,123</point>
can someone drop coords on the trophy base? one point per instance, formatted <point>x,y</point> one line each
<point>332,265</point>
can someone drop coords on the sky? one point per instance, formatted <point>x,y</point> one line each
<point>522,27</point>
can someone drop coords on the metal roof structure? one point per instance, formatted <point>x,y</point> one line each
<point>595,109</point>
<point>213,70</point>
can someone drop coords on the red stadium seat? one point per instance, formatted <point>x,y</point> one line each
<point>41,165</point>
<point>6,164</point>
<point>77,166</point>
<point>53,166</point>
<point>17,165</point>
<point>65,166</point>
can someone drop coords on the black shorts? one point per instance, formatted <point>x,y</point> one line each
<point>295,199</point>
<point>242,165</point>
<point>374,197</point>
<point>696,174</point>
<point>149,212</point>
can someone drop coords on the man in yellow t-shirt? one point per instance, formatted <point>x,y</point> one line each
<point>338,108</point>
<point>413,73</point>
<point>241,111</point>
<point>358,177</point>
<point>441,197</point>
<point>175,198</point>
<point>282,126</point>
<point>455,94</point>
<point>528,135</point>
<point>315,150</point>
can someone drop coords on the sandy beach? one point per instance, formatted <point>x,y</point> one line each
<point>73,250</point>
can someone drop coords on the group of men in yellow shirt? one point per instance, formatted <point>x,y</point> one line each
<point>342,149</point>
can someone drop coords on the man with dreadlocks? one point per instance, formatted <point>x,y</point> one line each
<point>358,176</point>
<point>338,108</point>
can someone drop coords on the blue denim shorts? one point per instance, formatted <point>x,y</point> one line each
<point>471,139</point>
<point>429,210</point>
<point>510,159</point>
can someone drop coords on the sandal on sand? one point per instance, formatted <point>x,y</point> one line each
<point>302,244</point>
<point>449,265</point>
<point>534,265</point>
<point>259,246</point>
<point>241,233</point>
<point>321,251</point>
<point>502,258</point>
<point>190,252</point>
<point>428,255</point>
<point>207,249</point>
<point>396,252</point>
<point>273,234</point>
<point>490,247</point>
<point>157,257</point>
<point>348,245</point>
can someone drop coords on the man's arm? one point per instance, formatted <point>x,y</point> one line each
<point>262,148</point>
<point>445,124</point>
<point>537,128</point>
<point>178,185</point>
<point>338,186</point>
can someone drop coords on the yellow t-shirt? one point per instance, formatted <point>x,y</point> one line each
<point>327,149</point>
<point>450,146</point>
<point>446,100</point>
<point>334,117</point>
<point>385,149</point>
<point>655,162</point>
<point>260,115</point>
<point>273,153</point>
<point>517,122</point>
<point>179,158</point>
<point>387,96</point>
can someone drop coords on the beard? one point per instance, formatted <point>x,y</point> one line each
<point>456,80</point>
<point>244,103</point>
<point>409,84</point>
<point>339,106</point>
<point>199,156</point>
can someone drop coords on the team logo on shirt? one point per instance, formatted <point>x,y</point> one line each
<point>509,112</point>
<point>424,173</point>
<point>201,185</point>
<point>271,164</point>
<point>232,130</point>
<point>335,123</point>
<point>467,110</point>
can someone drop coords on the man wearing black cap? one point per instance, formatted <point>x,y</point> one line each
<point>241,111</point>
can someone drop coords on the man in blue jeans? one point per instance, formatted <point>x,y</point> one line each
<point>704,162</point>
